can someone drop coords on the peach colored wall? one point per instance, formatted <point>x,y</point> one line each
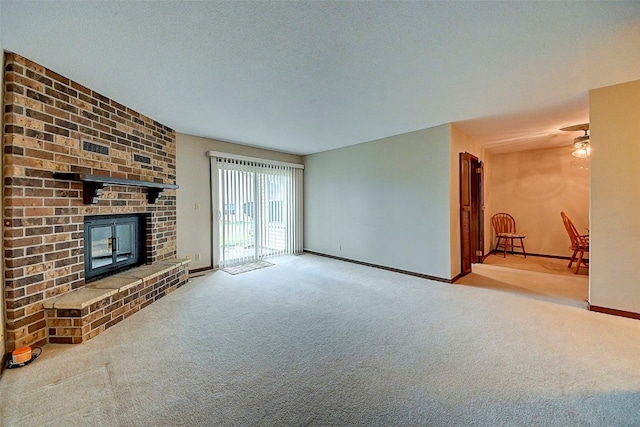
<point>534,186</point>
<point>615,197</point>
<point>488,202</point>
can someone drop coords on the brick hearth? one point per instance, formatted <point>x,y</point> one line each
<point>52,124</point>
<point>80,315</point>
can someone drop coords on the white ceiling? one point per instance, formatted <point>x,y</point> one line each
<point>304,77</point>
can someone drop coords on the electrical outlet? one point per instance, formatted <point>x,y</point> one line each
<point>339,247</point>
<point>197,206</point>
<point>198,257</point>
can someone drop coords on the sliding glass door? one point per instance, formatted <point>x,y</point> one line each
<point>258,210</point>
<point>237,223</point>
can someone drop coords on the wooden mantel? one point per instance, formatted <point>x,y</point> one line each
<point>92,185</point>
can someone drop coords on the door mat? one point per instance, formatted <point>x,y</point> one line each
<point>243,268</point>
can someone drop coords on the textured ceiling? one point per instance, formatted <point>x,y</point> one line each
<point>304,77</point>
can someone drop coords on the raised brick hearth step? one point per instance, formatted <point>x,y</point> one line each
<point>80,315</point>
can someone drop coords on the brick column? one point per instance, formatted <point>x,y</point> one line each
<point>53,124</point>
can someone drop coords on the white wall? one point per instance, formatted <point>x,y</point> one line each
<point>194,194</point>
<point>534,186</point>
<point>459,143</point>
<point>384,202</point>
<point>615,197</point>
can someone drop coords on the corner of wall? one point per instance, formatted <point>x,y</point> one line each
<point>614,115</point>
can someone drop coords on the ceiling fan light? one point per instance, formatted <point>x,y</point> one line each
<point>581,143</point>
<point>579,153</point>
<point>582,152</point>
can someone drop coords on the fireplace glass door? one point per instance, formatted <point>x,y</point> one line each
<point>112,243</point>
<point>123,241</point>
<point>101,246</point>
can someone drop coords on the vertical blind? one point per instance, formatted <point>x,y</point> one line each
<point>257,208</point>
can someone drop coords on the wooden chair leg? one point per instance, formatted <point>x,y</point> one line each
<point>573,258</point>
<point>579,262</point>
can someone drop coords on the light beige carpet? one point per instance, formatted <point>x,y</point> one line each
<point>536,263</point>
<point>541,278</point>
<point>319,342</point>
<point>90,391</point>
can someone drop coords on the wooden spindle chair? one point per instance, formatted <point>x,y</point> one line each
<point>505,228</point>
<point>579,243</point>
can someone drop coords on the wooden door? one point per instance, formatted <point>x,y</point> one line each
<point>471,211</point>
<point>477,207</point>
<point>465,212</point>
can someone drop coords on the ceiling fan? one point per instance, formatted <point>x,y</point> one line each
<point>581,143</point>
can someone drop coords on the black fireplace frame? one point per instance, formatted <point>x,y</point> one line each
<point>138,243</point>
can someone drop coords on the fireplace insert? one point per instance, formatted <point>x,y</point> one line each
<point>113,243</point>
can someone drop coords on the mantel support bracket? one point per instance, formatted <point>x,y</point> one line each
<point>153,194</point>
<point>91,192</point>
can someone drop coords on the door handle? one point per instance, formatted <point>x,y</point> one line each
<point>113,242</point>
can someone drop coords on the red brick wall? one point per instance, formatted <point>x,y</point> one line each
<point>46,119</point>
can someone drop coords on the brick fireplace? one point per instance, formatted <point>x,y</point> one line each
<point>58,137</point>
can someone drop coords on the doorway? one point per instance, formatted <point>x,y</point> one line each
<point>471,211</point>
<point>257,210</point>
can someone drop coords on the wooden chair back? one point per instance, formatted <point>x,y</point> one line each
<point>503,223</point>
<point>577,241</point>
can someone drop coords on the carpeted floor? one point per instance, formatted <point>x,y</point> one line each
<point>320,342</point>
<point>536,263</point>
<point>546,279</point>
